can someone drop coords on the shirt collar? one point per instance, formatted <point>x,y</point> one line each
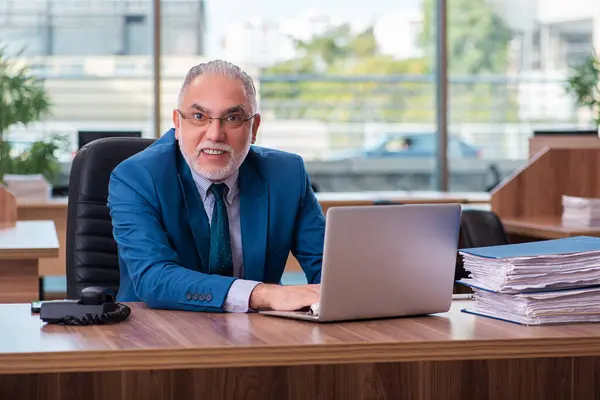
<point>204,184</point>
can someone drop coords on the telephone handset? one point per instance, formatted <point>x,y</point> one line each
<point>95,307</point>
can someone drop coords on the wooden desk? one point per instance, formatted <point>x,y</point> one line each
<point>545,228</point>
<point>342,199</point>
<point>53,210</point>
<point>179,355</point>
<point>564,141</point>
<point>21,248</point>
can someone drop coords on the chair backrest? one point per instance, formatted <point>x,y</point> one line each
<point>479,228</point>
<point>482,228</point>
<point>92,258</point>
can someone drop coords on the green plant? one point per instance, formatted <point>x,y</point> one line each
<point>38,158</point>
<point>584,84</point>
<point>23,100</point>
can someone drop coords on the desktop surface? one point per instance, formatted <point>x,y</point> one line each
<point>550,227</point>
<point>173,355</point>
<point>22,248</point>
<point>404,196</point>
<point>157,339</point>
<point>28,239</point>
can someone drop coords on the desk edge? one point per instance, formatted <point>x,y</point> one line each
<point>265,355</point>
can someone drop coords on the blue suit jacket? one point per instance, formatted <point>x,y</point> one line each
<point>162,231</point>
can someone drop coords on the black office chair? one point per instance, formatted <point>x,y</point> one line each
<point>92,258</point>
<point>478,228</point>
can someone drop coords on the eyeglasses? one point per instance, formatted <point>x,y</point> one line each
<point>232,121</point>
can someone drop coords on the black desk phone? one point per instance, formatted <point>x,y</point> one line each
<point>95,307</point>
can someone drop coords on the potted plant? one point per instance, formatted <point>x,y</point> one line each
<point>23,100</point>
<point>584,85</point>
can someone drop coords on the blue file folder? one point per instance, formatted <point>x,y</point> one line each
<point>541,250</point>
<point>577,244</point>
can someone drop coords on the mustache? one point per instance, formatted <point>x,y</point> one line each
<point>208,144</point>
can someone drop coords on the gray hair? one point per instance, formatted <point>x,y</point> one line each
<point>222,68</point>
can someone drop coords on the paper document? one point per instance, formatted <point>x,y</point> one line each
<point>556,307</point>
<point>580,211</point>
<point>551,264</point>
<point>545,282</point>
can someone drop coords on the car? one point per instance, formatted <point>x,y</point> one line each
<point>414,145</point>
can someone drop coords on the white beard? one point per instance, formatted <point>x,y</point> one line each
<point>235,159</point>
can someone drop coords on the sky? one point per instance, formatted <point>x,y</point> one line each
<point>222,13</point>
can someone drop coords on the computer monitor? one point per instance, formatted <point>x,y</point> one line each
<point>557,132</point>
<point>85,137</point>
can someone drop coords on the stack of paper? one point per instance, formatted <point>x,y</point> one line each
<point>552,281</point>
<point>580,211</point>
<point>29,187</point>
<point>552,307</point>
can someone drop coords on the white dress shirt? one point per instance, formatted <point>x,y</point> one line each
<point>239,293</point>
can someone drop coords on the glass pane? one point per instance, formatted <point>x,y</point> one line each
<point>338,83</point>
<point>94,61</point>
<point>509,62</point>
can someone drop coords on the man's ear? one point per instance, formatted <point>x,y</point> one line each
<point>255,126</point>
<point>176,122</point>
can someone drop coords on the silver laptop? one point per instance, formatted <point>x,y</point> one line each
<point>385,261</point>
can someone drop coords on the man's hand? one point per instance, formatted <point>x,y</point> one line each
<point>283,298</point>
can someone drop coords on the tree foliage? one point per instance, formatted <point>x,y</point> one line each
<point>584,85</point>
<point>343,76</point>
<point>478,38</point>
<point>340,76</point>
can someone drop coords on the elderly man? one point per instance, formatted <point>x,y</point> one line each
<point>203,220</point>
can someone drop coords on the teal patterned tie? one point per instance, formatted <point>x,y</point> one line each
<point>220,259</point>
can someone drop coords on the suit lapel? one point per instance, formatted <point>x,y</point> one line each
<point>195,211</point>
<point>254,215</point>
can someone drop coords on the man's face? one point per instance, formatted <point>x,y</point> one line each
<point>215,148</point>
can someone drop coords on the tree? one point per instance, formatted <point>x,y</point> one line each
<point>340,76</point>
<point>478,38</point>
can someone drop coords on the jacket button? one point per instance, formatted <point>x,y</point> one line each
<point>208,297</point>
<point>195,296</point>
<point>188,296</point>
<point>202,297</point>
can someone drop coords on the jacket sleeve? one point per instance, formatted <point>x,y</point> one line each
<point>152,264</point>
<point>309,233</point>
